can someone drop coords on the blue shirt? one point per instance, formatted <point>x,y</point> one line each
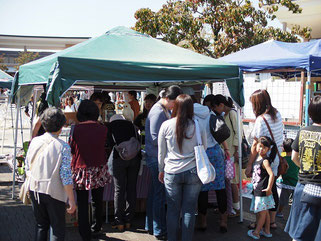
<point>155,119</point>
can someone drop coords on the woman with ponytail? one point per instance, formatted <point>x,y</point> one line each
<point>262,180</point>
<point>177,167</point>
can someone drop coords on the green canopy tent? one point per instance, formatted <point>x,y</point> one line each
<point>124,57</point>
<point>5,80</point>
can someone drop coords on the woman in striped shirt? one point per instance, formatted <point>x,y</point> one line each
<point>262,108</point>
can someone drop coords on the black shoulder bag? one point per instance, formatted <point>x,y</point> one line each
<point>218,128</point>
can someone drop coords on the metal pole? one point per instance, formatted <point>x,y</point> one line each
<point>301,98</point>
<point>15,150</point>
<point>307,97</point>
<point>21,127</point>
<point>240,160</point>
<point>12,126</point>
<point>4,125</point>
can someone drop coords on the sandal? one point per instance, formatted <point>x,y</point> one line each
<point>273,225</point>
<point>250,233</point>
<point>267,235</point>
<point>252,226</point>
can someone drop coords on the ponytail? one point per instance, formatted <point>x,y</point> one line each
<point>274,151</point>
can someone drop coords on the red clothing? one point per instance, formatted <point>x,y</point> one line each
<point>135,107</point>
<point>87,144</point>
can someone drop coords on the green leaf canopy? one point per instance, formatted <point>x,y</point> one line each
<point>124,57</point>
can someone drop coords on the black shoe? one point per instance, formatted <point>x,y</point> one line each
<point>96,232</point>
<point>161,237</point>
<point>223,229</point>
<point>116,225</point>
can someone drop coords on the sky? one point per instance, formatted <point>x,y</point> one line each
<point>70,18</point>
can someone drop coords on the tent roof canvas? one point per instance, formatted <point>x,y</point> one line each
<point>124,57</point>
<point>272,55</point>
<point>5,80</point>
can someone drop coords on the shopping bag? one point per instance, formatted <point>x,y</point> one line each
<point>229,169</point>
<point>24,192</point>
<point>205,170</point>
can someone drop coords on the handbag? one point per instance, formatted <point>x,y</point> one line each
<point>127,150</point>
<point>246,152</point>
<point>24,190</point>
<point>205,169</point>
<point>229,169</point>
<point>218,128</point>
<point>246,149</point>
<point>283,165</point>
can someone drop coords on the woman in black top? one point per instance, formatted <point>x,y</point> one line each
<point>125,172</point>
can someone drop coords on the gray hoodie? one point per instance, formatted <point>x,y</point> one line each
<point>202,114</point>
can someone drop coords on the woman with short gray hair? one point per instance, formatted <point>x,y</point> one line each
<point>49,176</point>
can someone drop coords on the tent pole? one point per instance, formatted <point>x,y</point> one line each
<point>12,125</point>
<point>240,160</point>
<point>307,97</point>
<point>301,97</point>
<point>15,150</point>
<point>4,125</point>
<point>21,127</point>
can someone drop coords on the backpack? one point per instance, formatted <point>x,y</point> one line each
<point>127,150</point>
<point>218,128</point>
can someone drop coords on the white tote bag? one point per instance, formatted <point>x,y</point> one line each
<point>205,170</point>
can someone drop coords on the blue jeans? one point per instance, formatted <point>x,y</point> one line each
<point>155,211</point>
<point>182,191</point>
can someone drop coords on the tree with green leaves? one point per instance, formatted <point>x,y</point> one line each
<point>3,66</point>
<point>216,27</point>
<point>25,57</point>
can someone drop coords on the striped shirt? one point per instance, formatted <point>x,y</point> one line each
<point>260,129</point>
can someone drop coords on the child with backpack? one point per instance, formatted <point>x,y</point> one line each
<point>262,180</point>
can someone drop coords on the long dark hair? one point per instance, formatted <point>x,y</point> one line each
<point>261,104</point>
<point>267,142</point>
<point>184,112</point>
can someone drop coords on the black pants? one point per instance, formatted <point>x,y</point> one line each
<point>220,197</point>
<point>83,215</point>
<point>48,212</point>
<point>125,179</point>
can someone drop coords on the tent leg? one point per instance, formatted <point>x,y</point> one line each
<point>21,126</point>
<point>240,160</point>
<point>301,98</point>
<point>12,125</point>
<point>307,97</point>
<point>15,150</point>
<point>4,125</point>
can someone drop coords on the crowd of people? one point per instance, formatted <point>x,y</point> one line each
<point>102,149</point>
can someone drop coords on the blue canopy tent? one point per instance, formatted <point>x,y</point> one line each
<point>285,59</point>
